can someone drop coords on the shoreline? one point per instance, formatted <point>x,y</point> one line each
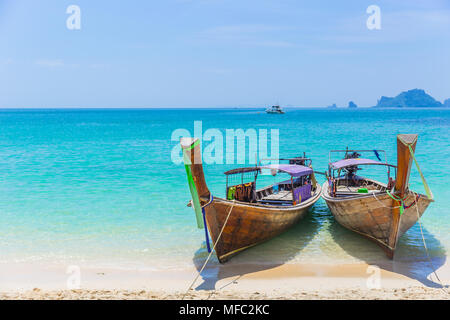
<point>234,281</point>
<point>404,293</point>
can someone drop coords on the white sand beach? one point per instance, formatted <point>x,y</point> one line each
<point>288,281</point>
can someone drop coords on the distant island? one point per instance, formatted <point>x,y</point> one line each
<point>447,103</point>
<point>351,104</point>
<point>415,98</point>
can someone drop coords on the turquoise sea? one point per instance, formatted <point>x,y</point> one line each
<point>98,187</point>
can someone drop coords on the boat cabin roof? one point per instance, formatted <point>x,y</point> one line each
<point>294,170</point>
<point>242,170</point>
<point>356,162</point>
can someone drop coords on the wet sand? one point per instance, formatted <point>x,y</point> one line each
<point>288,281</point>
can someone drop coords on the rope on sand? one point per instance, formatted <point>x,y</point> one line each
<point>425,245</point>
<point>210,254</point>
<point>416,202</point>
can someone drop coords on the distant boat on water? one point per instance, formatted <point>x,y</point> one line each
<point>275,110</point>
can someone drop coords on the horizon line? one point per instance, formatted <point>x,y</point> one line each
<point>179,107</point>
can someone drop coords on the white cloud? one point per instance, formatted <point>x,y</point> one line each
<point>6,62</point>
<point>219,70</point>
<point>331,51</point>
<point>99,66</point>
<point>249,35</point>
<point>248,28</point>
<point>274,44</point>
<point>50,63</point>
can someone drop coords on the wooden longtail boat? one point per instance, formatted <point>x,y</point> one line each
<point>248,216</point>
<point>378,211</point>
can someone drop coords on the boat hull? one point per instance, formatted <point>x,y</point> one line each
<point>250,224</point>
<point>372,216</point>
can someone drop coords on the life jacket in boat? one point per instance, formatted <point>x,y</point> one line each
<point>231,193</point>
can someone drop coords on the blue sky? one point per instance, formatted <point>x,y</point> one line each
<point>220,53</point>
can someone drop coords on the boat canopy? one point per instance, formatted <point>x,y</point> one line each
<point>355,162</point>
<point>242,170</point>
<point>294,170</point>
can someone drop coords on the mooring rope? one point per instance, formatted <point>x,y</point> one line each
<point>210,254</point>
<point>425,245</point>
<point>416,203</point>
<point>383,203</point>
<point>398,199</point>
<point>424,182</point>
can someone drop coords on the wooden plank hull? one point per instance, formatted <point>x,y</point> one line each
<point>249,225</point>
<point>373,217</point>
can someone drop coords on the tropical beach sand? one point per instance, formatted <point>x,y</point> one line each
<point>289,281</point>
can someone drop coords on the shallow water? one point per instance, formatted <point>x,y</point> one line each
<point>98,187</point>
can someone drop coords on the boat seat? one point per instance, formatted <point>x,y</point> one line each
<point>280,196</point>
<point>275,202</point>
<point>352,193</point>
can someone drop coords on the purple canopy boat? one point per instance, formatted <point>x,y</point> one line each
<point>249,215</point>
<point>379,211</point>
